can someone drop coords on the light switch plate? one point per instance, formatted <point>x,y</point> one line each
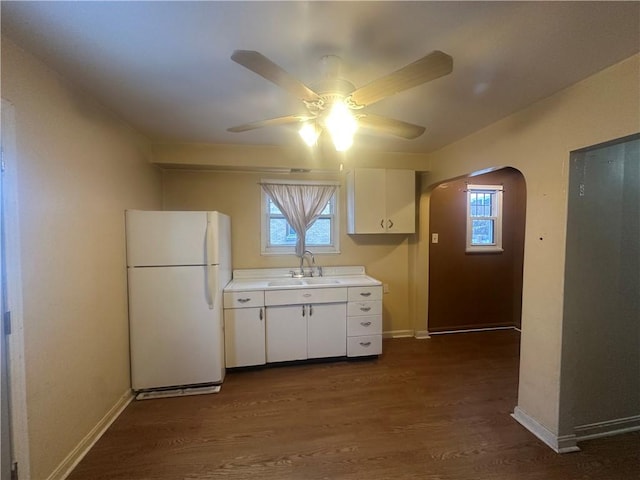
<point>434,238</point>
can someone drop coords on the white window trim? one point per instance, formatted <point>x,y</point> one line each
<point>265,249</point>
<point>497,245</point>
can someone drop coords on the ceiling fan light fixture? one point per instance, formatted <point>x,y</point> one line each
<point>341,125</point>
<point>309,133</point>
<point>330,103</point>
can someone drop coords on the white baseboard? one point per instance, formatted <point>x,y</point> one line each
<point>471,330</point>
<point>69,463</point>
<point>397,334</point>
<point>423,334</point>
<point>569,443</point>
<point>564,444</point>
<point>607,428</point>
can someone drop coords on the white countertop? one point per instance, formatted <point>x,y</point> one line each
<point>280,279</point>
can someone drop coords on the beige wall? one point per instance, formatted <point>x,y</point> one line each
<point>537,141</point>
<point>237,194</point>
<point>78,169</point>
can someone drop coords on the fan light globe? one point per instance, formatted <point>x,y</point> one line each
<point>342,142</point>
<point>309,134</point>
<point>342,126</point>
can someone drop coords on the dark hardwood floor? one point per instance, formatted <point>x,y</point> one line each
<point>435,409</point>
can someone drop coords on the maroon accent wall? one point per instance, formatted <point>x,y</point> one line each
<point>475,290</point>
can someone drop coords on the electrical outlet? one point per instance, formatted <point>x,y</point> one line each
<point>385,288</point>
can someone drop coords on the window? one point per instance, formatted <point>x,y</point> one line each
<point>278,237</point>
<point>484,218</point>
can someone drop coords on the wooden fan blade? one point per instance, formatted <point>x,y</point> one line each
<point>258,63</point>
<point>392,126</point>
<point>430,67</point>
<point>272,122</point>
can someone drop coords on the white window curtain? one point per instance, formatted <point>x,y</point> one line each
<point>301,205</point>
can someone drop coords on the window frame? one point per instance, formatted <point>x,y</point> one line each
<point>496,217</point>
<point>267,249</point>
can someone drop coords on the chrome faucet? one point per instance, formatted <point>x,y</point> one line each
<point>307,254</point>
<point>311,262</point>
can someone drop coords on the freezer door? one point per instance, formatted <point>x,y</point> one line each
<point>167,238</point>
<point>175,338</point>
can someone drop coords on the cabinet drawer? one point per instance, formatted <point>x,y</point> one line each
<point>364,325</point>
<point>365,293</point>
<point>243,299</point>
<point>364,308</point>
<point>365,345</point>
<point>305,295</point>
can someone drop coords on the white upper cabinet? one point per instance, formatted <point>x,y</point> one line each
<point>381,201</point>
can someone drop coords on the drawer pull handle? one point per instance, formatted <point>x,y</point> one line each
<point>306,295</point>
<point>365,309</point>
<point>365,294</point>
<point>365,324</point>
<point>261,316</point>
<point>244,300</point>
<point>365,344</point>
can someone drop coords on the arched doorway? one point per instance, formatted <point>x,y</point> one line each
<point>471,290</point>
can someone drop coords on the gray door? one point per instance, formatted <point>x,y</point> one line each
<point>601,327</point>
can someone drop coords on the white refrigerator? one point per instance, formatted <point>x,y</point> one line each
<point>177,265</point>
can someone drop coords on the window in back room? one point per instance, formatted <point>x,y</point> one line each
<point>484,218</point>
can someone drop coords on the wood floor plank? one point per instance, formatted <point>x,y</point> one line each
<point>436,409</point>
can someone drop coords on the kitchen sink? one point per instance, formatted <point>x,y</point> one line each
<point>301,282</point>
<point>321,281</point>
<point>285,282</point>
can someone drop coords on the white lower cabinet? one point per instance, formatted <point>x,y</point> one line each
<point>244,337</point>
<point>298,332</point>
<point>298,324</point>
<point>286,333</point>
<point>364,321</point>
<point>327,330</point>
<point>244,329</point>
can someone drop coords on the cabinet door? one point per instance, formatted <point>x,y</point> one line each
<point>400,201</point>
<point>244,337</point>
<point>366,201</point>
<point>327,330</point>
<point>286,328</point>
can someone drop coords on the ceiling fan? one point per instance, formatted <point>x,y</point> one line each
<point>336,105</point>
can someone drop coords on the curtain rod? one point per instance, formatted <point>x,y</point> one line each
<point>314,184</point>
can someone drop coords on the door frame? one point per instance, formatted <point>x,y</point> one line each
<point>6,450</point>
<point>15,341</point>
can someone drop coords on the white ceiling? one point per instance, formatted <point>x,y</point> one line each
<point>164,67</point>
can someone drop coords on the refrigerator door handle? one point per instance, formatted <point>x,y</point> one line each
<point>210,278</point>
